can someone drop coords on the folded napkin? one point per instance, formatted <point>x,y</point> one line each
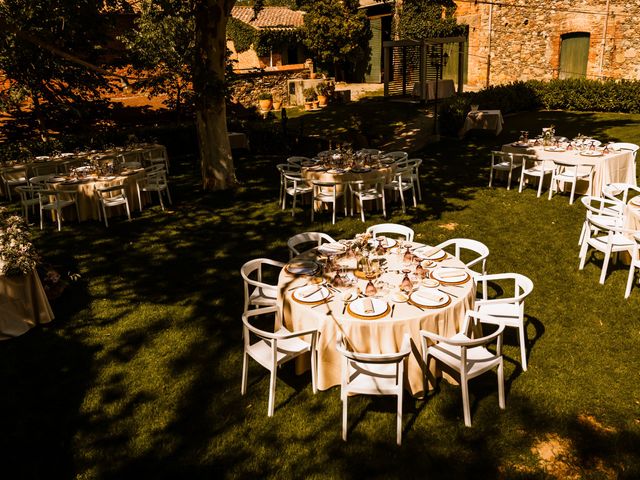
<point>367,305</point>
<point>333,247</point>
<point>430,252</point>
<point>436,298</point>
<point>451,274</point>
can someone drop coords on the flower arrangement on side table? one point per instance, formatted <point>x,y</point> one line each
<point>17,254</point>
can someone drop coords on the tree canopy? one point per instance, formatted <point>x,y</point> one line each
<point>420,19</point>
<point>336,31</point>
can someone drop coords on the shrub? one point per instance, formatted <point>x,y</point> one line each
<point>310,94</point>
<point>17,253</point>
<point>323,88</point>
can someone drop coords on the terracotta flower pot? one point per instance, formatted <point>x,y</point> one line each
<point>322,100</point>
<point>277,105</point>
<point>315,104</point>
<point>265,105</point>
<point>308,105</point>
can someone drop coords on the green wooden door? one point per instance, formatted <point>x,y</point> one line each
<point>451,70</point>
<point>374,69</point>
<point>574,55</point>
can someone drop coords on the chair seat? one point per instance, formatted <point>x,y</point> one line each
<point>368,194</point>
<point>327,197</point>
<point>375,380</point>
<point>287,349</point>
<point>566,177</point>
<point>505,166</point>
<point>478,358</point>
<point>301,188</point>
<point>508,312</point>
<point>618,242</point>
<point>17,181</point>
<point>30,201</point>
<point>263,296</point>
<point>537,171</point>
<point>58,204</point>
<point>114,201</point>
<point>404,185</point>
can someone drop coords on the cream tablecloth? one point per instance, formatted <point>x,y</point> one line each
<point>483,120</point>
<point>446,89</point>
<point>88,203</point>
<point>373,336</point>
<point>614,167</point>
<point>23,305</point>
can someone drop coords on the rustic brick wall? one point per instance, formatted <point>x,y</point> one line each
<point>526,38</point>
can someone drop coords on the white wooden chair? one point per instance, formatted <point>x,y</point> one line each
<point>41,180</point>
<point>604,211</point>
<point>403,182</point>
<point>293,185</point>
<point>398,156</point>
<point>307,238</point>
<point>327,192</point>
<point>272,349</point>
<point>606,239</point>
<point>373,374</point>
<point>297,160</point>
<point>394,228</point>
<point>256,292</point>
<point>28,198</point>
<point>52,201</point>
<point>534,168</point>
<point>415,164</point>
<point>12,178</point>
<point>153,156</point>
<point>460,245</point>
<point>466,356</point>
<point>154,180</point>
<point>504,162</point>
<point>570,173</point>
<point>635,263</point>
<point>371,190</point>
<point>620,192</point>
<point>508,309</point>
<point>113,196</point>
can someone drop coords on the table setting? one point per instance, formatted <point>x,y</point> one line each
<point>373,293</point>
<point>610,165</point>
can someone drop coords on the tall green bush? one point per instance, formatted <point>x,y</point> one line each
<point>621,96</point>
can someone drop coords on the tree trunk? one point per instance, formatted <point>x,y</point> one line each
<point>216,161</point>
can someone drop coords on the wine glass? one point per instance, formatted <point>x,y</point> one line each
<point>406,285</point>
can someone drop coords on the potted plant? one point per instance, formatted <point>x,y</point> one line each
<point>324,91</point>
<point>310,96</point>
<point>266,100</point>
<point>277,102</point>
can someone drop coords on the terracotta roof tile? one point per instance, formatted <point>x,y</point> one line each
<point>269,17</point>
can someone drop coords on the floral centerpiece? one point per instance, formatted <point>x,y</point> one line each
<point>17,254</point>
<point>548,135</point>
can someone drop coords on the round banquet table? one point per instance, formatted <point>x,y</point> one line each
<point>632,214</point>
<point>382,335</point>
<point>613,167</point>
<point>88,204</point>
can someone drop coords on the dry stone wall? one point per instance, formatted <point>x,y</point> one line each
<point>525,37</point>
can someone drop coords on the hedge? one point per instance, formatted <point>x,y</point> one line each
<point>571,94</point>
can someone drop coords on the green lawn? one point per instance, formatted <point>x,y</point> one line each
<point>139,375</point>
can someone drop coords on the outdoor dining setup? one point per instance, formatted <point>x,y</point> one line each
<point>92,185</point>
<point>345,179</point>
<point>382,314</point>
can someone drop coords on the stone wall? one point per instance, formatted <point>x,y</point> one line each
<point>526,38</point>
<point>247,87</point>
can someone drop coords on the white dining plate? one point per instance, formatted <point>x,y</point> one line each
<point>388,242</point>
<point>332,248</point>
<point>591,153</point>
<point>311,293</point>
<point>302,267</point>
<point>422,251</point>
<point>358,306</point>
<point>450,275</point>
<point>635,201</point>
<point>429,297</point>
<point>399,297</point>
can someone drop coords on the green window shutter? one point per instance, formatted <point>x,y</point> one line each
<point>374,69</point>
<point>574,55</point>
